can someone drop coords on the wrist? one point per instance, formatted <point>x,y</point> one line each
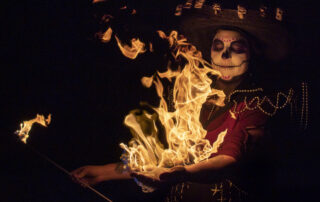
<point>183,174</point>
<point>187,172</point>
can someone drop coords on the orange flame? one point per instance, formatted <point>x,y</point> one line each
<point>133,50</point>
<point>106,36</point>
<point>26,126</point>
<point>184,132</point>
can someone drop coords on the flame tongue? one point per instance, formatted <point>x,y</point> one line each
<point>132,51</point>
<point>106,36</point>
<point>184,132</point>
<point>26,126</point>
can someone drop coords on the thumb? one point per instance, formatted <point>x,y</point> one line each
<point>176,174</point>
<point>166,176</point>
<point>80,173</point>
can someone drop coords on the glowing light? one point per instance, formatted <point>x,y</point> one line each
<point>26,126</point>
<point>133,50</point>
<point>106,36</point>
<point>184,133</point>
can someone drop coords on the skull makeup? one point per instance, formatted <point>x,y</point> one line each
<point>230,54</point>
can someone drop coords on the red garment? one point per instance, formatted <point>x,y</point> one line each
<point>235,141</point>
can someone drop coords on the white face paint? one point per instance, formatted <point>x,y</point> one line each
<point>230,54</point>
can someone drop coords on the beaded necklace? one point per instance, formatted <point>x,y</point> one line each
<point>305,106</point>
<point>260,101</point>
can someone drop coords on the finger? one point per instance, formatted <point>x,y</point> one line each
<point>76,172</point>
<point>75,179</point>
<point>94,180</point>
<point>144,179</point>
<point>79,181</point>
<point>175,175</point>
<point>133,174</point>
<point>85,182</point>
<point>148,181</point>
<point>82,172</point>
<point>165,176</point>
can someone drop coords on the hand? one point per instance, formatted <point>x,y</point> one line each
<point>170,176</point>
<point>176,174</point>
<point>88,175</point>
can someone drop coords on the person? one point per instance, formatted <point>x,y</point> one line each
<point>234,46</point>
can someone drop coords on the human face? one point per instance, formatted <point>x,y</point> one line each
<point>230,54</point>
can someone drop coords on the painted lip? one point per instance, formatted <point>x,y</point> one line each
<point>226,77</point>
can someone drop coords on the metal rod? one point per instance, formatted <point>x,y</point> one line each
<point>67,172</point>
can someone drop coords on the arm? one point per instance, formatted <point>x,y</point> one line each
<point>218,166</point>
<point>209,170</point>
<point>91,175</point>
<point>206,171</point>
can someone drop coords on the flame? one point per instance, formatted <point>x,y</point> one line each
<point>26,126</point>
<point>184,133</point>
<point>133,50</point>
<point>106,36</point>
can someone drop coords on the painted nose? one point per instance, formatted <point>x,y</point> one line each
<point>226,54</point>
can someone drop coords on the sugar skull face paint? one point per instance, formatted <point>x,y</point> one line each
<point>230,54</point>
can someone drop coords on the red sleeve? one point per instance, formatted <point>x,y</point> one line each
<point>235,141</point>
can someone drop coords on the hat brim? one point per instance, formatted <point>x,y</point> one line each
<point>199,25</point>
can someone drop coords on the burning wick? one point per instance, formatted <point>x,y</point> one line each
<point>23,134</point>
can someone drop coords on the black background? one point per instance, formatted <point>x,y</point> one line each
<point>51,64</point>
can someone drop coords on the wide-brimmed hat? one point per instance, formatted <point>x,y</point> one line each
<point>200,25</point>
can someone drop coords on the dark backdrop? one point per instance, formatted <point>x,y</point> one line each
<point>51,64</point>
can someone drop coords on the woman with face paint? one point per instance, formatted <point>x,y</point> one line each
<point>231,44</point>
<point>234,46</point>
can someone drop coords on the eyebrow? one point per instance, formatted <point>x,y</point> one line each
<point>242,41</point>
<point>217,40</point>
<point>232,40</point>
<point>227,40</point>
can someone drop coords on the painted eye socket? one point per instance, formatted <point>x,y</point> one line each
<point>239,47</point>
<point>217,45</point>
